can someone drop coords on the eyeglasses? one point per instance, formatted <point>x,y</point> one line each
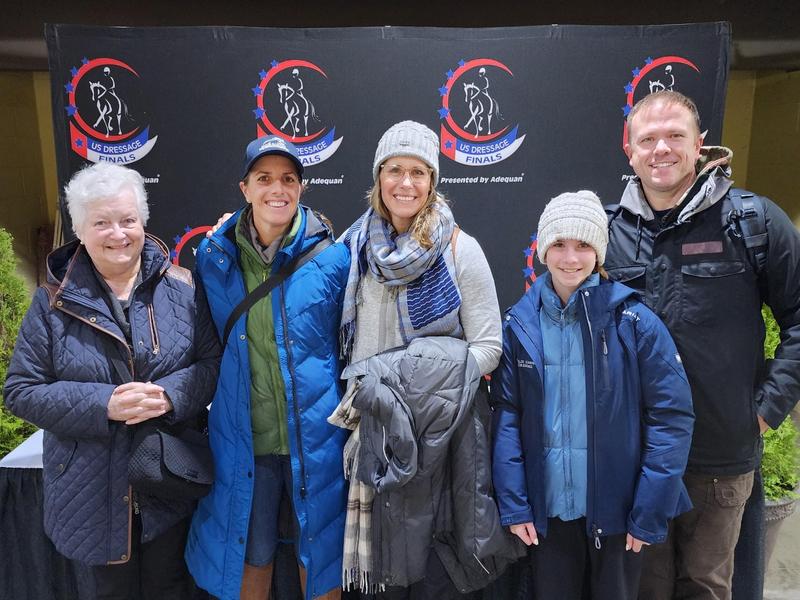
<point>398,173</point>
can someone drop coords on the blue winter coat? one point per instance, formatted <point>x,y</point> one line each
<point>60,378</point>
<point>306,309</point>
<point>639,414</point>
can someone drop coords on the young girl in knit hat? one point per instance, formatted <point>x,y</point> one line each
<point>592,416</point>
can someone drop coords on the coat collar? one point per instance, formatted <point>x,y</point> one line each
<point>709,187</point>
<point>70,270</point>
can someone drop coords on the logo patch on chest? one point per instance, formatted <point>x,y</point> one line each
<point>701,248</point>
<point>525,364</point>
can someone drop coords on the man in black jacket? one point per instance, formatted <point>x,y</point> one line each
<point>677,237</point>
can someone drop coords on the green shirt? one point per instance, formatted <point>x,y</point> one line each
<point>267,392</point>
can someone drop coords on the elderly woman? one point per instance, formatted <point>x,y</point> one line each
<point>112,296</point>
<point>413,274</point>
<point>278,383</point>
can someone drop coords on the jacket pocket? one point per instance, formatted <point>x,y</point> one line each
<point>633,276</point>
<point>708,286</point>
<point>57,459</point>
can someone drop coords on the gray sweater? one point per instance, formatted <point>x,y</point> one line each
<point>376,310</point>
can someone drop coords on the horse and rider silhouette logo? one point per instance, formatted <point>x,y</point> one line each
<point>482,106</point>
<point>474,130</point>
<point>296,106</point>
<point>102,127</point>
<point>110,107</point>
<point>285,107</point>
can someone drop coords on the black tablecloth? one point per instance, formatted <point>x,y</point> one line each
<point>31,569</point>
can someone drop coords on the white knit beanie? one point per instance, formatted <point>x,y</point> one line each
<point>573,216</point>
<point>408,138</point>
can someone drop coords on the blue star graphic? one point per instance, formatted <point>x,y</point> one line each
<point>443,90</point>
<point>177,239</point>
<point>68,87</point>
<point>629,88</point>
<point>636,72</point>
<point>262,74</point>
<point>256,91</point>
<point>626,109</point>
<point>449,74</point>
<point>84,60</point>
<point>648,60</point>
<point>258,112</point>
<point>461,63</point>
<point>533,238</point>
<point>79,143</point>
<point>71,110</point>
<point>528,252</point>
<point>74,71</point>
<point>274,64</point>
<point>528,271</point>
<point>443,112</point>
<point>173,254</point>
<point>448,144</point>
<point>187,229</point>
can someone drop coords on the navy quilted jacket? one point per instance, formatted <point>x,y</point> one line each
<point>60,378</point>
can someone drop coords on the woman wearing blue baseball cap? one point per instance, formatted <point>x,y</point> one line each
<point>275,283</point>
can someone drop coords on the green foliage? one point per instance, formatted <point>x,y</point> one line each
<point>780,466</point>
<point>13,304</point>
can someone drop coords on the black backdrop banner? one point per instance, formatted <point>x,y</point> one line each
<point>523,114</point>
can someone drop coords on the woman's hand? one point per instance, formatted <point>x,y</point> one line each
<point>526,532</point>
<point>136,401</point>
<point>631,543</point>
<point>218,224</point>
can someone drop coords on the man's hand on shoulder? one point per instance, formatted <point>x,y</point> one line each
<point>218,224</point>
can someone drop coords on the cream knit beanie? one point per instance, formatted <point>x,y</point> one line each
<point>574,216</point>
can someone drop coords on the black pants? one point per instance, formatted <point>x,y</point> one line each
<point>567,565</point>
<point>155,571</point>
<point>437,585</point>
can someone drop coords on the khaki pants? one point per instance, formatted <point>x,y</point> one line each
<point>696,561</point>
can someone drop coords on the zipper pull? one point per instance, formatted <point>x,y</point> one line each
<point>603,339</point>
<point>596,535</point>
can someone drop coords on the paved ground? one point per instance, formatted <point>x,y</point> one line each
<point>783,573</point>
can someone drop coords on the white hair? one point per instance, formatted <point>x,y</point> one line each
<point>99,182</point>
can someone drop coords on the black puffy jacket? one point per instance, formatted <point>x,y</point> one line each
<point>694,272</point>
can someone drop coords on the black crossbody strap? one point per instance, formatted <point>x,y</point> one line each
<point>272,282</point>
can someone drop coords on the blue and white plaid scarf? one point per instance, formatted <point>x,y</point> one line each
<point>428,300</point>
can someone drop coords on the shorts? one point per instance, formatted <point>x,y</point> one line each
<point>272,481</point>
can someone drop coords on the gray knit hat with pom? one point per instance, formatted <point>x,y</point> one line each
<point>574,216</point>
<point>408,138</point>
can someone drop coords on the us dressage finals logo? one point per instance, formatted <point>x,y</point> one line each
<point>474,131</point>
<point>101,102</point>
<point>286,96</point>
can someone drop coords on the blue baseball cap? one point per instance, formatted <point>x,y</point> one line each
<point>271,144</point>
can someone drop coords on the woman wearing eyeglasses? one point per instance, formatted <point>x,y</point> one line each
<point>413,275</point>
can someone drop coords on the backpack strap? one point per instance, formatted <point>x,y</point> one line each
<point>748,221</point>
<point>454,240</point>
<point>271,282</point>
